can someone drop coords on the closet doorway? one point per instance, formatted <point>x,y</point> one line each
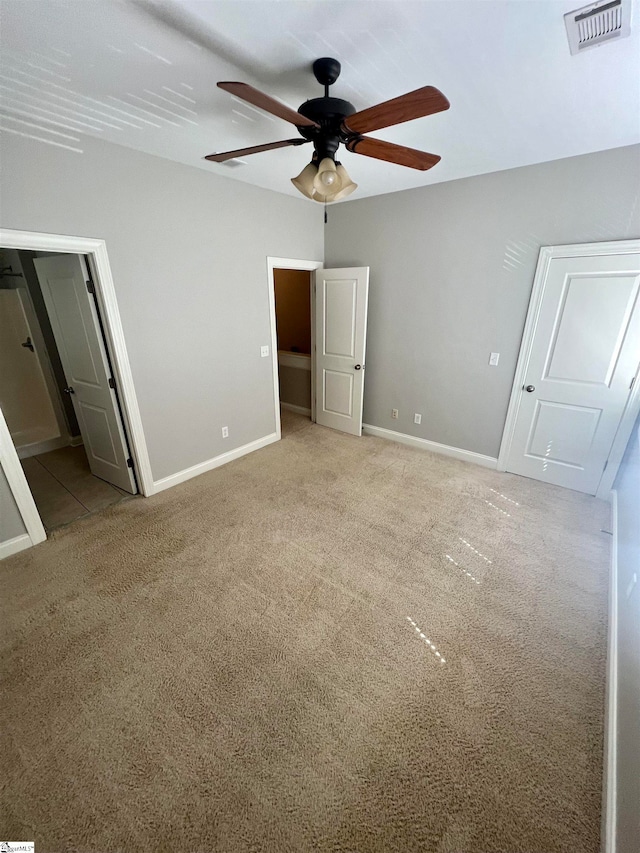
<point>71,439</point>
<point>56,387</point>
<point>293,324</point>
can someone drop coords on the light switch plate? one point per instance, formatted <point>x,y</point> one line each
<point>494,358</point>
<point>264,352</point>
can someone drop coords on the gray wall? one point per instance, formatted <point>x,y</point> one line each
<point>628,754</point>
<point>452,266</point>
<point>11,524</point>
<point>188,254</point>
<point>295,386</point>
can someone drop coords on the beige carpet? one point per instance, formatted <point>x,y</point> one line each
<point>334,644</point>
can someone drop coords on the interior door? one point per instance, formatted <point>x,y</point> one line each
<point>75,325</point>
<point>582,364</point>
<point>24,395</point>
<point>341,325</point>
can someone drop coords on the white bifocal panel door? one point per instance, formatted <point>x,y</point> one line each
<point>341,325</point>
<point>75,325</point>
<point>582,363</point>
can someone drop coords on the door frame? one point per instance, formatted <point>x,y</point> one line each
<point>96,252</point>
<point>19,487</point>
<point>545,256</point>
<point>290,264</point>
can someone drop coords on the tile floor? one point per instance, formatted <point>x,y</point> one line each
<point>64,488</point>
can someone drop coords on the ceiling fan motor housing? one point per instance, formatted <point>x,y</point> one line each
<point>329,114</point>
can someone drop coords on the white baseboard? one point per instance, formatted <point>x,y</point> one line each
<point>46,446</point>
<point>76,441</point>
<point>210,464</point>
<point>299,409</point>
<point>12,546</point>
<point>433,446</point>
<point>609,793</point>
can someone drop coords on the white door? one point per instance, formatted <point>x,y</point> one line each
<point>341,325</point>
<point>582,363</point>
<point>75,325</point>
<point>24,395</point>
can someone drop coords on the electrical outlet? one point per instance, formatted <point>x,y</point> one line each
<point>394,414</point>
<point>417,419</point>
<point>264,352</point>
<point>225,432</point>
<point>494,358</point>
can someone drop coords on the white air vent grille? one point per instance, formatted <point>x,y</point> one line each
<point>598,22</point>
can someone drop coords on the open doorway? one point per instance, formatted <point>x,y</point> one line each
<point>57,390</point>
<point>292,291</point>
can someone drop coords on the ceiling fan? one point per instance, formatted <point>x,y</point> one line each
<point>327,122</point>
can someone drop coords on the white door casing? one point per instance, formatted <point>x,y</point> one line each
<point>75,325</point>
<point>341,300</point>
<point>579,365</point>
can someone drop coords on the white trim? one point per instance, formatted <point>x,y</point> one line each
<point>216,462</point>
<point>621,440</point>
<point>12,546</point>
<point>289,264</point>
<point>433,446</point>
<point>19,486</point>
<point>37,447</point>
<point>547,253</point>
<point>76,441</point>
<point>108,304</point>
<point>609,797</point>
<point>299,409</point>
<point>299,360</point>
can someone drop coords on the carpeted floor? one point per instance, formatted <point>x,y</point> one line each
<point>333,644</point>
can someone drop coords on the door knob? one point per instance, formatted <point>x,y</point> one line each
<point>358,367</point>
<point>69,390</point>
<point>28,344</point>
<point>530,388</point>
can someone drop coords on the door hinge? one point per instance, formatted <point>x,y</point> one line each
<point>632,383</point>
<point>91,288</point>
<point>129,462</point>
<point>112,382</point>
<point>605,466</point>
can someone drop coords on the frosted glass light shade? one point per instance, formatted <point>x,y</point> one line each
<point>304,182</point>
<point>327,181</point>
<point>347,185</point>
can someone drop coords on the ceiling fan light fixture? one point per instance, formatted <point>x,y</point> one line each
<point>347,185</point>
<point>327,181</point>
<point>304,182</point>
<point>324,199</point>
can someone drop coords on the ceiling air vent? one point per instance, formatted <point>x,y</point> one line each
<point>597,23</point>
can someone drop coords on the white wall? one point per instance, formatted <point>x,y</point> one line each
<point>452,266</point>
<point>627,639</point>
<point>188,254</point>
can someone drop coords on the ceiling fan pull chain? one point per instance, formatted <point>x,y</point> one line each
<point>325,213</point>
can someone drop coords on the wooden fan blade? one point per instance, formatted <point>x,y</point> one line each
<point>265,102</point>
<point>255,149</point>
<point>392,153</point>
<point>422,102</point>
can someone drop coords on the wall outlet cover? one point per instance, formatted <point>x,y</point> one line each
<point>394,414</point>
<point>417,419</point>
<point>225,432</point>
<point>494,358</point>
<point>264,352</point>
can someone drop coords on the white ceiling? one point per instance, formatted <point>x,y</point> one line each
<point>143,74</point>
